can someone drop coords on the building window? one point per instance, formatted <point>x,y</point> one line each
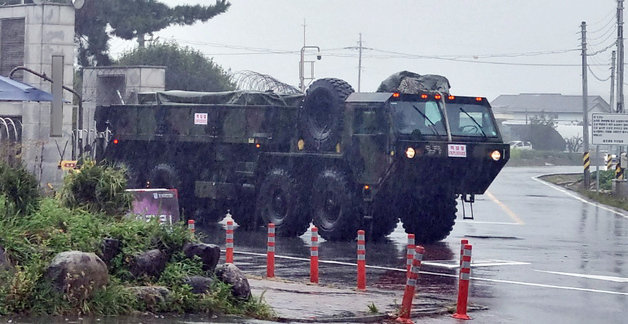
<point>11,46</point>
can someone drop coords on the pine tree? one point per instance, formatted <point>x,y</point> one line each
<point>129,19</point>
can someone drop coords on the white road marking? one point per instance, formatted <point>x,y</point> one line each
<point>450,264</point>
<point>553,186</point>
<point>606,278</point>
<point>448,275</point>
<point>490,223</point>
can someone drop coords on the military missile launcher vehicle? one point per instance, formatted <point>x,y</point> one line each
<point>340,159</point>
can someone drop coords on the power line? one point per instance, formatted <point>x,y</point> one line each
<point>597,77</point>
<point>598,41</point>
<point>611,15</point>
<point>602,50</point>
<point>611,21</point>
<point>394,54</point>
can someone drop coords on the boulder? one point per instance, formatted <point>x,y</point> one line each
<point>209,254</point>
<point>199,284</point>
<point>150,263</point>
<point>152,296</point>
<point>5,264</point>
<point>230,274</point>
<point>77,274</point>
<point>110,249</point>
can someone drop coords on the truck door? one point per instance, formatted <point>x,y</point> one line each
<point>370,143</point>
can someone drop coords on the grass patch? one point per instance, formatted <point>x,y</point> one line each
<point>574,182</point>
<point>35,230</point>
<point>536,158</point>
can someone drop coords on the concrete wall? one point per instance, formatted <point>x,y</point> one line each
<point>49,30</point>
<point>99,84</point>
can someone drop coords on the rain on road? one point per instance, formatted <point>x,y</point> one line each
<point>540,254</point>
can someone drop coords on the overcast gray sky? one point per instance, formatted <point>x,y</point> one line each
<point>484,47</point>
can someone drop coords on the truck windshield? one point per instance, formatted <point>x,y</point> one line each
<point>417,118</point>
<point>470,120</point>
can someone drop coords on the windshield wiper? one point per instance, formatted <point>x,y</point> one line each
<point>433,126</point>
<point>473,119</point>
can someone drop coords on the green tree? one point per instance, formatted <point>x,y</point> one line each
<point>129,19</point>
<point>543,120</point>
<point>186,68</point>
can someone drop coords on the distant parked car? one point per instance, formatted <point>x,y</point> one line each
<point>520,145</point>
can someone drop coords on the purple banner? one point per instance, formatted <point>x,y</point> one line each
<point>155,203</point>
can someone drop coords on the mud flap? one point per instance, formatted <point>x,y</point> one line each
<point>467,198</point>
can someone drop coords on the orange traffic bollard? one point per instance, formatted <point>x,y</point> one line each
<point>270,252</point>
<point>191,226</point>
<point>314,256</point>
<point>463,284</point>
<point>462,244</point>
<point>410,254</point>
<point>229,242</point>
<point>361,260</point>
<point>411,284</point>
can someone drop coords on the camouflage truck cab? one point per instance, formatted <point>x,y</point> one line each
<point>339,159</point>
<point>415,153</point>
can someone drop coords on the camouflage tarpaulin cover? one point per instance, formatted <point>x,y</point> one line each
<point>244,98</point>
<point>413,83</point>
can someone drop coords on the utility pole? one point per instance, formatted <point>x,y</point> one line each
<point>585,125</point>
<point>302,61</point>
<point>613,109</point>
<point>360,62</point>
<point>613,58</point>
<point>620,56</point>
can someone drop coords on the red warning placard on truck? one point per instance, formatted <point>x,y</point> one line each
<point>457,150</point>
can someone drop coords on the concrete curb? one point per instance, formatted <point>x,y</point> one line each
<point>300,302</point>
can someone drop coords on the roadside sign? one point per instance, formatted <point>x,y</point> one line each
<point>67,165</point>
<point>609,129</point>
<point>162,204</point>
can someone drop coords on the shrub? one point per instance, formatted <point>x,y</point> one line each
<point>20,188</point>
<point>99,188</point>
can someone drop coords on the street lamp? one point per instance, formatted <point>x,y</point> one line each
<point>302,65</point>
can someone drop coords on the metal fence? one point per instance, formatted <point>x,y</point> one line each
<point>10,140</point>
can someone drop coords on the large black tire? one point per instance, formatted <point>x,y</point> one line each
<point>430,217</point>
<point>164,176</point>
<point>385,219</point>
<point>204,215</point>
<point>280,201</point>
<point>321,117</point>
<point>244,210</point>
<point>335,206</point>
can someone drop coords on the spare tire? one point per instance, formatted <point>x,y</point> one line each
<point>321,117</point>
<point>164,176</point>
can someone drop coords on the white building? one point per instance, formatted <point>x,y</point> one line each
<point>564,109</point>
<point>30,34</point>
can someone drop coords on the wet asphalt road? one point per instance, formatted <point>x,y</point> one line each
<point>540,254</point>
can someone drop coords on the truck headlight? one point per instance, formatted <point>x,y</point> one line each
<point>496,155</point>
<point>410,153</point>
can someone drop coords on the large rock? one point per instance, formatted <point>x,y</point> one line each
<point>5,264</point>
<point>150,263</point>
<point>77,274</point>
<point>152,296</point>
<point>110,249</point>
<point>230,274</point>
<point>199,284</point>
<point>209,254</point>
